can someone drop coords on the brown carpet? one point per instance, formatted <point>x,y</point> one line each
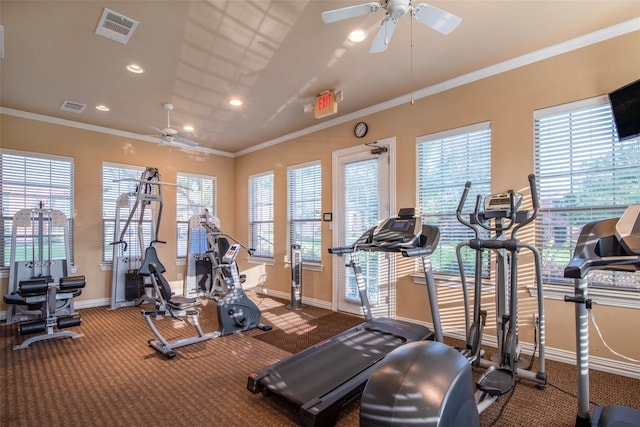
<point>111,377</point>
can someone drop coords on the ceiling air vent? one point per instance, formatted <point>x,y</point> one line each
<point>115,26</point>
<point>74,107</point>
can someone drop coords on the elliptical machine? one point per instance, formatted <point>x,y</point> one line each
<point>429,383</point>
<point>499,215</point>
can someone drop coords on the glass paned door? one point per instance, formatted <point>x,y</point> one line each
<point>363,179</point>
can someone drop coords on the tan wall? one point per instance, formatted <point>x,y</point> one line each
<point>89,149</point>
<point>508,101</point>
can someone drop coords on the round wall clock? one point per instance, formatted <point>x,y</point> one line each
<point>360,130</point>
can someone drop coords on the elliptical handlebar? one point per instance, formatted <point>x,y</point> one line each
<point>463,199</point>
<point>534,203</point>
<point>477,222</point>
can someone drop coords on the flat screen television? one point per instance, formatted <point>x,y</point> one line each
<point>625,104</point>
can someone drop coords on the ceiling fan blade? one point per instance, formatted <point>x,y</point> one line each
<point>183,141</point>
<point>383,36</point>
<point>435,18</point>
<point>335,15</point>
<point>157,130</point>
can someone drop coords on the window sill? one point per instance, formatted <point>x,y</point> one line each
<point>261,261</point>
<point>447,282</point>
<point>627,298</point>
<point>311,266</point>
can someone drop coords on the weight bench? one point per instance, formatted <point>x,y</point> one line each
<point>49,305</point>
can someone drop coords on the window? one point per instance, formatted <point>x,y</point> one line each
<point>118,185</point>
<point>261,215</point>
<point>584,174</point>
<point>305,206</point>
<point>28,181</point>
<point>446,161</point>
<point>195,194</point>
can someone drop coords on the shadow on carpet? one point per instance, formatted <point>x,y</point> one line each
<point>297,337</point>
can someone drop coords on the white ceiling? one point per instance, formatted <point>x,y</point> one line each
<point>276,55</point>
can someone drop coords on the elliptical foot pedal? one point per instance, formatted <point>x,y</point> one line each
<point>496,381</point>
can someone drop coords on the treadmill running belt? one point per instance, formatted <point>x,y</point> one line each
<point>319,372</point>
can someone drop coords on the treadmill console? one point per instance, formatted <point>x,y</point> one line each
<point>397,233</point>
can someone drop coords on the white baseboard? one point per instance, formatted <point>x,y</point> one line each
<point>287,296</point>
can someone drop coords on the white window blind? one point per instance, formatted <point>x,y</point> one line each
<point>117,180</point>
<point>28,181</point>
<point>584,174</point>
<point>305,205</point>
<point>261,215</point>
<point>446,161</point>
<point>195,194</point>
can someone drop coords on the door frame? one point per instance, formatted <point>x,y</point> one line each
<point>338,261</point>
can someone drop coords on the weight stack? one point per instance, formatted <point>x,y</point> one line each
<point>133,285</point>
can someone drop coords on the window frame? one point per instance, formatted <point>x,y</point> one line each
<point>317,221</point>
<point>451,231</point>
<point>107,250</point>
<point>253,220</point>
<point>595,133</point>
<point>69,198</point>
<point>181,242</point>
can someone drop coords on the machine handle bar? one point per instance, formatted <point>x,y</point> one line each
<point>415,252</point>
<point>534,202</point>
<point>340,250</point>
<point>463,198</point>
<point>120,242</point>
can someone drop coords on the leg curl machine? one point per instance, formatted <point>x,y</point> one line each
<point>44,299</point>
<point>40,297</point>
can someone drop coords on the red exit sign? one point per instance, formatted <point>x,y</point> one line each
<point>326,105</point>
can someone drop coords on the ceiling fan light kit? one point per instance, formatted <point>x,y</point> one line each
<point>437,19</point>
<point>170,136</point>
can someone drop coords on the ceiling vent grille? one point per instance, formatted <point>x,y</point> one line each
<point>74,107</point>
<point>115,26</point>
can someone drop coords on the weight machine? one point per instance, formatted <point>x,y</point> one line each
<point>207,274</point>
<point>40,295</point>
<point>127,285</point>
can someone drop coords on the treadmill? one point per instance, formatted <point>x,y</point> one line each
<point>325,377</point>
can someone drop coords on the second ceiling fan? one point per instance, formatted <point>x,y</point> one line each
<point>431,16</point>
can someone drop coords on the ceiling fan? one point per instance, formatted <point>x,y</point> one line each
<point>170,136</point>
<point>431,16</point>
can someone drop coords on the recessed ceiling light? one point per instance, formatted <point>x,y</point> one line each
<point>102,108</point>
<point>235,102</point>
<point>357,36</point>
<point>188,128</point>
<point>135,68</point>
